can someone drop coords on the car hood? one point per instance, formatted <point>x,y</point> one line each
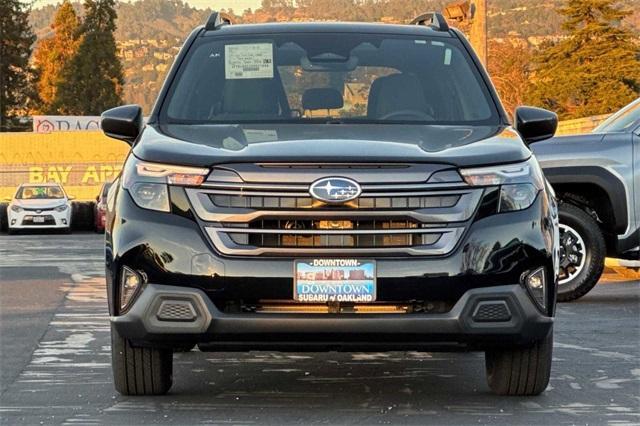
<point>39,204</point>
<point>206,145</point>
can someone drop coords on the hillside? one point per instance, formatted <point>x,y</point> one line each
<point>165,19</point>
<point>150,31</point>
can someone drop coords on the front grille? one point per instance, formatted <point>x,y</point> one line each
<point>36,209</point>
<point>391,236</point>
<point>396,202</point>
<point>270,215</point>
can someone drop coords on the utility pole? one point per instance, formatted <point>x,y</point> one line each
<point>478,33</point>
<point>471,17</point>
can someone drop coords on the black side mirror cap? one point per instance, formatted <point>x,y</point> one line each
<point>535,124</point>
<point>123,123</point>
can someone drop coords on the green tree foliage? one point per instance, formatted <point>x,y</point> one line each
<point>596,69</point>
<point>16,76</point>
<point>92,82</point>
<point>54,53</point>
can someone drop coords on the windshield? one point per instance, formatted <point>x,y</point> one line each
<point>39,193</point>
<point>329,77</point>
<point>622,121</point>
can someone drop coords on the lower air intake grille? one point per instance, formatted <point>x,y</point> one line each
<point>493,311</point>
<point>176,310</point>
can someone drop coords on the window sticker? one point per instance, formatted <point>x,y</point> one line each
<point>242,61</point>
<point>260,135</point>
<point>447,56</point>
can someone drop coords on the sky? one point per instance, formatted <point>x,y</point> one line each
<point>236,5</point>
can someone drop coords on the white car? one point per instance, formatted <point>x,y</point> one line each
<point>39,206</point>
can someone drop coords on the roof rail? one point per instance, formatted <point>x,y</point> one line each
<point>217,20</point>
<point>434,20</point>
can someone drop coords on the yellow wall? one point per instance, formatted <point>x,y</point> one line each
<point>80,161</point>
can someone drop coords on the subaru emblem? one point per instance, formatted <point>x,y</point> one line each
<point>335,190</point>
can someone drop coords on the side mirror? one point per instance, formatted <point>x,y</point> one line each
<point>535,124</point>
<point>7,198</point>
<point>71,197</point>
<point>124,123</point>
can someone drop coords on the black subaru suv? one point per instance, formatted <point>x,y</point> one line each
<point>330,186</point>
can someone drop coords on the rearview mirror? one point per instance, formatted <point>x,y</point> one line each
<point>535,124</point>
<point>124,123</point>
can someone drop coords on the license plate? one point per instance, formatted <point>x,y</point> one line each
<point>334,280</point>
<point>38,219</point>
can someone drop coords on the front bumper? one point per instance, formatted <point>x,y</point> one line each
<point>179,263</point>
<point>482,318</point>
<point>28,219</point>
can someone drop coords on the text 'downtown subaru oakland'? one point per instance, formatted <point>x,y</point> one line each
<point>329,186</point>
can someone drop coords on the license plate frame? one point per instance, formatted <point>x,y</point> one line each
<point>38,219</point>
<point>320,280</point>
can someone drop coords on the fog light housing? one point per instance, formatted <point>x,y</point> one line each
<point>130,283</point>
<point>537,286</point>
<point>64,221</point>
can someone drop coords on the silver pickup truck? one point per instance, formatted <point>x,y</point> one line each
<point>596,178</point>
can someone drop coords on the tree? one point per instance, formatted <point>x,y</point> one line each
<point>509,69</point>
<point>16,75</point>
<point>595,69</point>
<point>92,81</point>
<point>53,54</point>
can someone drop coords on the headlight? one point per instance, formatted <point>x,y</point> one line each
<point>16,208</point>
<point>519,183</point>
<point>61,208</point>
<point>148,182</point>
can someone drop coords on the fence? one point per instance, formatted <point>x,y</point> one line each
<point>580,125</point>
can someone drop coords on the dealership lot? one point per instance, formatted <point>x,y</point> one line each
<point>55,359</point>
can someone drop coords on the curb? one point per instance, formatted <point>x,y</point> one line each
<point>629,269</point>
<point>613,263</point>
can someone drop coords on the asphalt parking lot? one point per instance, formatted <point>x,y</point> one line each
<point>55,363</point>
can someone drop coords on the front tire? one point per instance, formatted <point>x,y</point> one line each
<point>582,253</point>
<point>520,371</point>
<point>140,371</point>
